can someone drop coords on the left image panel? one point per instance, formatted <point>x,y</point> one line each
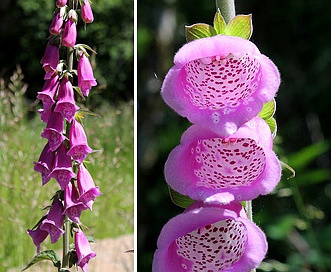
<point>67,135</point>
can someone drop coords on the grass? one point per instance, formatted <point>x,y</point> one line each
<point>21,193</point>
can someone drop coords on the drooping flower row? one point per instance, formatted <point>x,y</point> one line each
<point>220,84</point>
<point>67,147</point>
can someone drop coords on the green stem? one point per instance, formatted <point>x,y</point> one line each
<point>227,9</point>
<point>66,243</point>
<point>66,226</point>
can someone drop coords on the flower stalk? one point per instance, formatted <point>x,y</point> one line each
<point>227,9</point>
<point>67,146</point>
<point>223,85</point>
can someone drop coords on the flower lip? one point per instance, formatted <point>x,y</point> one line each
<point>220,80</point>
<point>208,167</point>
<point>215,237</point>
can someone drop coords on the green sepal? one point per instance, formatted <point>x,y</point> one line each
<point>240,26</point>
<point>198,31</point>
<point>179,199</point>
<point>45,255</point>
<point>82,47</point>
<point>268,110</point>
<point>80,114</point>
<point>78,90</point>
<point>267,114</point>
<point>272,125</point>
<point>219,23</point>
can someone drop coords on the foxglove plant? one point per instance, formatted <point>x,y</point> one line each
<point>62,158</point>
<point>225,87</point>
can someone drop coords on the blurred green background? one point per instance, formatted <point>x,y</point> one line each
<point>23,32</point>
<point>295,35</point>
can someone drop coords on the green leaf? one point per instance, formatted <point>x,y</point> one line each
<point>180,200</point>
<point>45,255</point>
<point>273,125</point>
<point>306,155</point>
<point>80,114</point>
<point>268,110</point>
<point>240,26</point>
<point>219,23</point>
<point>198,31</point>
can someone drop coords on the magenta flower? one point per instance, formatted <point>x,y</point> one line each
<point>48,91</point>
<point>85,75</point>
<point>62,171</point>
<point>53,130</point>
<point>69,35</point>
<point>210,168</point>
<point>45,114</point>
<point>45,163</point>
<point>50,60</point>
<point>53,223</point>
<point>66,104</point>
<point>38,236</point>
<point>86,187</point>
<point>83,250</point>
<point>87,14</point>
<point>210,238</point>
<point>61,3</point>
<point>74,208</point>
<point>220,82</point>
<point>78,142</point>
<point>56,25</point>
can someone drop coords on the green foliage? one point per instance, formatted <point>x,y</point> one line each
<point>45,255</point>
<point>179,199</point>
<point>21,195</point>
<point>239,26</point>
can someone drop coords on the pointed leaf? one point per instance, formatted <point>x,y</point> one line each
<point>45,255</point>
<point>240,26</point>
<point>180,200</point>
<point>268,110</point>
<point>273,126</point>
<point>198,31</point>
<point>303,157</point>
<point>219,23</point>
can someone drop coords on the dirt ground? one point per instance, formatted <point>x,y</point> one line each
<point>111,256</point>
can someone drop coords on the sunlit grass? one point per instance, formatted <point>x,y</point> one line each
<point>22,196</point>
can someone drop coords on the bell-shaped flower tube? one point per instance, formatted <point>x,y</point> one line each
<point>54,130</point>
<point>38,236</point>
<point>50,60</point>
<point>69,35</point>
<point>83,250</point>
<point>48,91</point>
<point>56,25</point>
<point>61,3</point>
<point>85,75</point>
<point>53,223</point>
<point>66,104</point>
<point>210,238</point>
<point>220,82</point>
<point>78,142</point>
<point>87,14</point>
<point>210,168</point>
<point>86,187</point>
<point>62,171</point>
<point>74,208</point>
<point>45,163</point>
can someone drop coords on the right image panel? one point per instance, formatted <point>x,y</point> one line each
<point>233,137</point>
